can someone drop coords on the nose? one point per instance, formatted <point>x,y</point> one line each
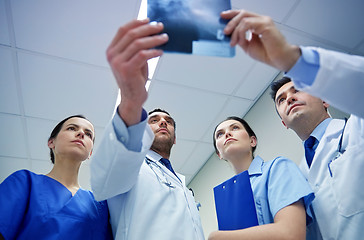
<point>291,98</point>
<point>228,134</point>
<point>81,134</point>
<point>163,122</point>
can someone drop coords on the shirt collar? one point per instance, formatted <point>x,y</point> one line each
<point>319,131</point>
<point>151,155</point>
<point>256,166</point>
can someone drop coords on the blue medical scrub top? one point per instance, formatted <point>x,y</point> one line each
<point>38,207</point>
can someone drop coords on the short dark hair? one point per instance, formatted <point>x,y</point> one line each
<point>163,111</point>
<point>276,85</point>
<point>58,128</point>
<point>245,125</point>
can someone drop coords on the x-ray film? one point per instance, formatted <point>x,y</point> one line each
<point>193,26</point>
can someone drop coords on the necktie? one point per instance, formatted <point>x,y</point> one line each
<point>309,151</point>
<point>168,165</point>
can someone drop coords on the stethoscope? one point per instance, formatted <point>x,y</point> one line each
<point>153,165</point>
<point>339,151</point>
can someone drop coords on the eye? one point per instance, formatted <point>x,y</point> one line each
<point>235,128</point>
<point>280,100</point>
<point>218,135</point>
<point>153,120</point>
<point>71,128</point>
<point>89,134</point>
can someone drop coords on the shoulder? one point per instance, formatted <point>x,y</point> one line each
<point>281,167</point>
<point>279,162</point>
<point>21,175</point>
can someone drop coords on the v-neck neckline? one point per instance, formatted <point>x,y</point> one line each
<point>72,195</point>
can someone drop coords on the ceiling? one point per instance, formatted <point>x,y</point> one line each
<point>53,64</point>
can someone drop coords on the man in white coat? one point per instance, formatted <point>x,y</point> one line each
<point>319,78</point>
<point>130,168</point>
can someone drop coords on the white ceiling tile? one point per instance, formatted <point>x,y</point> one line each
<point>256,81</point>
<point>233,107</point>
<point>296,37</point>
<point>186,106</point>
<point>4,31</point>
<point>79,30</point>
<point>9,100</point>
<point>53,89</point>
<point>277,9</point>
<point>180,153</point>
<point>10,165</point>
<point>201,153</point>
<point>334,20</point>
<point>13,141</point>
<point>208,73</point>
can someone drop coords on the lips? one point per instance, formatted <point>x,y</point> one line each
<point>162,130</point>
<point>293,106</point>
<point>229,140</point>
<point>79,142</point>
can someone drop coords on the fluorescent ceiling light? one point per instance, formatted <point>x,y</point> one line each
<point>152,63</point>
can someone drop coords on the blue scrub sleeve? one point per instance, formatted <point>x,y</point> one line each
<point>14,199</point>
<point>287,185</point>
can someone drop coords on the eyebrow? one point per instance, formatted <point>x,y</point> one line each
<point>219,130</point>
<point>167,117</point>
<point>280,95</point>
<point>75,125</point>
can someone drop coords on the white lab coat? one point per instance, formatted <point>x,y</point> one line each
<point>141,205</point>
<point>339,202</point>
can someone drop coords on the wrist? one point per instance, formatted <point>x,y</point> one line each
<point>293,53</point>
<point>130,112</point>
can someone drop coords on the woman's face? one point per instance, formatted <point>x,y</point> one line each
<point>232,138</point>
<point>74,140</point>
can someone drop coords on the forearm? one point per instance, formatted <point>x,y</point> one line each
<point>267,231</point>
<point>289,223</point>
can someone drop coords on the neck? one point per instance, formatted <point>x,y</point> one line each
<point>241,163</point>
<point>66,172</point>
<point>306,127</point>
<point>164,154</point>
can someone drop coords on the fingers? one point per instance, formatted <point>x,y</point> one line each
<point>124,29</point>
<point>134,37</point>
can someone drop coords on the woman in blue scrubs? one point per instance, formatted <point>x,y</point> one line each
<point>279,189</point>
<point>54,206</point>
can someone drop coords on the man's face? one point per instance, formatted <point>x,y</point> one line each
<point>163,127</point>
<point>294,106</point>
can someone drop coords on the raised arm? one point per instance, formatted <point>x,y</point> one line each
<point>127,54</point>
<point>116,162</point>
<point>267,44</point>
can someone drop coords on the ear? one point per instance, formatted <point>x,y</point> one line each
<point>284,124</point>
<point>253,141</point>
<point>51,143</point>
<point>174,142</point>
<point>218,154</point>
<point>90,154</point>
<point>326,105</point>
